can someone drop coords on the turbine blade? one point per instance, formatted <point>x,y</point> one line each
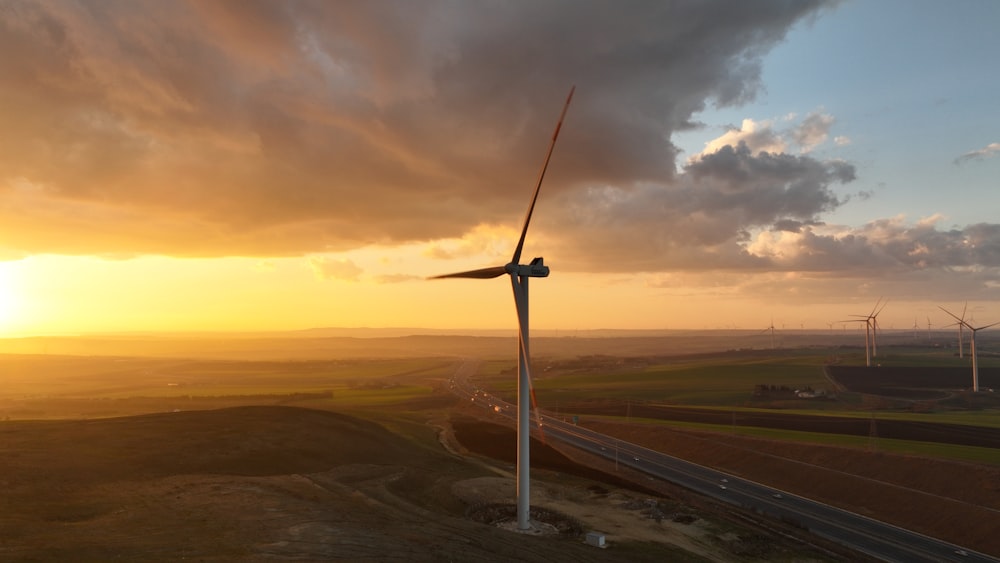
<point>534,406</point>
<point>541,176</point>
<point>988,326</point>
<point>875,307</point>
<point>531,388</point>
<point>960,321</point>
<point>483,274</point>
<point>880,308</point>
<point>523,339</point>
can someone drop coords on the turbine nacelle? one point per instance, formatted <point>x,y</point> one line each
<point>537,269</point>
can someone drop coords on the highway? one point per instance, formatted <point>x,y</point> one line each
<point>876,539</point>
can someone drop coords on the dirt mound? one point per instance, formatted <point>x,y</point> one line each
<point>496,514</point>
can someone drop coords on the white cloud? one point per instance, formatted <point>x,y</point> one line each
<point>765,136</point>
<point>489,240</point>
<point>335,269</point>
<point>757,136</point>
<point>989,151</point>
<point>813,131</point>
<point>264,266</point>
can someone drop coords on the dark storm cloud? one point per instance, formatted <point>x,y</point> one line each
<point>279,128</point>
<point>265,128</point>
<point>890,247</point>
<point>703,219</point>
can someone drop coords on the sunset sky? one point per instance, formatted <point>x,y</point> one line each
<point>258,165</point>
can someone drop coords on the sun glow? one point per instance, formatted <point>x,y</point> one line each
<point>9,303</point>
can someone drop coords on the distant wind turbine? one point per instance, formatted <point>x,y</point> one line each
<point>870,324</point>
<point>771,328</point>
<point>519,275</point>
<point>972,346</point>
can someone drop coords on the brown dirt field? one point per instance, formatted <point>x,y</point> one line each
<point>920,431</point>
<point>955,501</point>
<point>911,381</point>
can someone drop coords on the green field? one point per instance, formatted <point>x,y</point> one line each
<point>42,386</point>
<point>707,381</point>
<point>96,386</point>
<point>905,447</point>
<point>725,382</point>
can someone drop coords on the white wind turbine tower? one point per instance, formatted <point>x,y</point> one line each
<point>869,321</point>
<point>519,275</point>
<point>972,345</point>
<point>868,327</point>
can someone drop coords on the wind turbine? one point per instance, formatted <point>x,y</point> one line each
<point>771,328</point>
<point>519,275</point>
<point>972,345</point>
<point>869,321</point>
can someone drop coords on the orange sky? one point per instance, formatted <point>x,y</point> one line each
<point>268,166</point>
